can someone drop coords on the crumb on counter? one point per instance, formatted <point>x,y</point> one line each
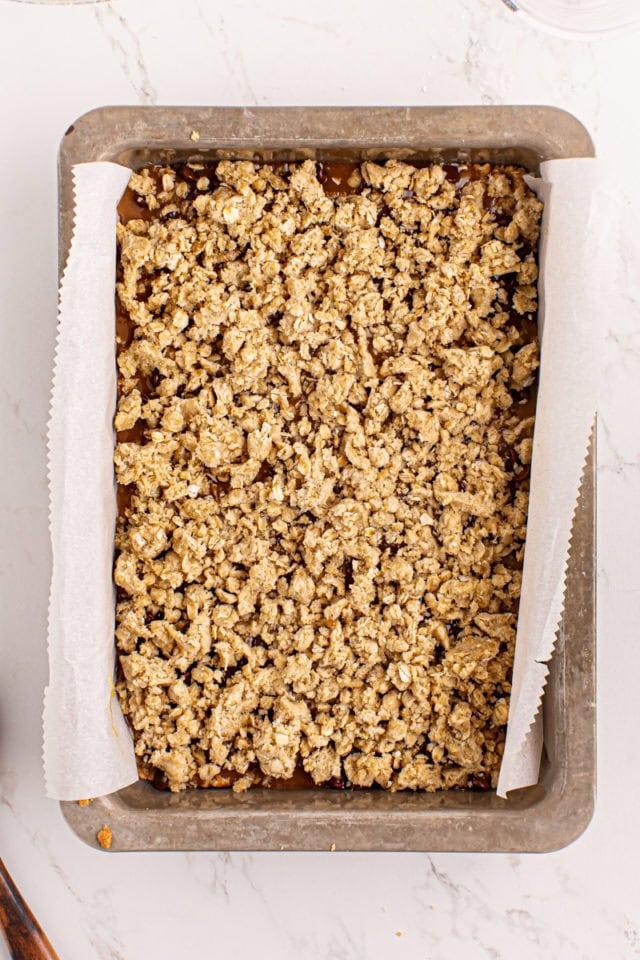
<point>195,135</point>
<point>105,837</point>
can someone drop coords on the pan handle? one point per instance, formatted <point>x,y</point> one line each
<point>23,934</point>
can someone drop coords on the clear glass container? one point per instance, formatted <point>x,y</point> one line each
<point>583,19</point>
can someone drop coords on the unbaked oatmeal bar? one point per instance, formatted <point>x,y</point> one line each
<point>324,423</point>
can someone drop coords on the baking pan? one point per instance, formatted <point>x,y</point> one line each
<point>540,818</point>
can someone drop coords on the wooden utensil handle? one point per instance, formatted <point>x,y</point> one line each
<point>23,933</point>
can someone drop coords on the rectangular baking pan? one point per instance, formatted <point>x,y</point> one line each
<point>540,818</point>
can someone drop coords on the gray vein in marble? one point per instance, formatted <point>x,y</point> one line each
<point>624,348</point>
<point>621,222</point>
<point>104,950</point>
<point>458,895</point>
<point>523,924</point>
<point>477,52</point>
<point>213,872</point>
<point>444,879</point>
<point>632,935</point>
<point>474,69</point>
<point>101,923</point>
<point>491,952</point>
<point>610,460</point>
<point>620,466</point>
<point>311,25</point>
<point>231,52</point>
<point>57,869</point>
<point>9,801</point>
<point>343,946</point>
<point>247,864</point>
<point>8,787</point>
<point>472,915</point>
<point>126,48</point>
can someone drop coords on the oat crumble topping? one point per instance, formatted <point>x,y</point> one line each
<point>105,837</point>
<point>323,447</point>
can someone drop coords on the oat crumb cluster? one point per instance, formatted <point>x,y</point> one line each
<point>324,457</point>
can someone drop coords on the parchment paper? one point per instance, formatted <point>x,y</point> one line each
<point>88,749</point>
<point>564,416</point>
<point>87,745</point>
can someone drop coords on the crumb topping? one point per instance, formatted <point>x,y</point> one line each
<point>105,837</point>
<point>324,430</point>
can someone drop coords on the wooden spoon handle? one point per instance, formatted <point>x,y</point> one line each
<point>23,933</point>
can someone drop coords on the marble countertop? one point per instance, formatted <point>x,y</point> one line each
<point>56,62</point>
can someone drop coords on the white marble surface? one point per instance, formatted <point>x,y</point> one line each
<point>57,61</point>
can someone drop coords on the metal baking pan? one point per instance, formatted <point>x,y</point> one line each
<point>540,818</point>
